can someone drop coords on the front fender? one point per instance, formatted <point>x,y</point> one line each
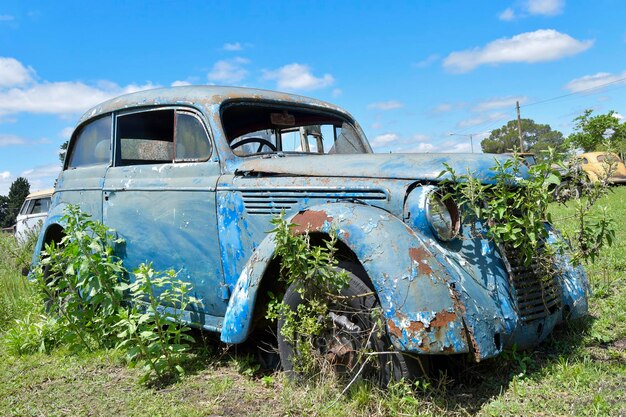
<point>421,311</point>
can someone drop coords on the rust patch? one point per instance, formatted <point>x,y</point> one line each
<point>311,220</point>
<point>395,330</point>
<point>416,326</point>
<point>420,255</point>
<point>448,349</point>
<point>442,319</point>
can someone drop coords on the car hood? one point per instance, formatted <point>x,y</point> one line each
<point>391,166</point>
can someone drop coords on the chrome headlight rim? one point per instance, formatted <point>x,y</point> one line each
<point>436,196</point>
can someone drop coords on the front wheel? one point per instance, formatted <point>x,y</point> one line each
<point>353,341</point>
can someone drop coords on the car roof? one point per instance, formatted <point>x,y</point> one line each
<point>198,96</point>
<point>38,194</point>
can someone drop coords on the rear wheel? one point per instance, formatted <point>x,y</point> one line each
<point>353,343</point>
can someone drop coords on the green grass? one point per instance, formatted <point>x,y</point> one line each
<point>580,370</point>
<point>17,295</point>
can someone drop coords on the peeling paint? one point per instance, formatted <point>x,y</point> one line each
<point>211,219</point>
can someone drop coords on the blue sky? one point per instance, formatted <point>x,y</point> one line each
<point>410,72</point>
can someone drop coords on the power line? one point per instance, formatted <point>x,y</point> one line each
<point>600,86</point>
<point>490,123</point>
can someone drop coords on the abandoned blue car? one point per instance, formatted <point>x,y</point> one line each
<point>190,177</point>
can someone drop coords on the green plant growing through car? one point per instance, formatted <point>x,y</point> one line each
<point>152,336</point>
<point>313,273</point>
<point>515,209</point>
<point>92,305</point>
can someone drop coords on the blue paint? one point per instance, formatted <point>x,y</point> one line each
<point>210,220</point>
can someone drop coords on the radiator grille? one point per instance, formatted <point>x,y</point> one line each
<point>537,294</point>
<point>274,201</point>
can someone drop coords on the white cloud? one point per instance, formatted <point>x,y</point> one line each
<point>42,177</point>
<point>427,61</point>
<point>443,108</point>
<point>507,15</point>
<point>533,8</point>
<point>235,46</point>
<point>384,139</point>
<point>14,73</point>
<point>459,147</point>
<point>298,77</point>
<point>66,97</point>
<point>418,137</point>
<point>386,105</point>
<point>179,83</point>
<point>498,103</point>
<point>337,92</point>
<point>377,125</point>
<point>530,47</point>
<point>21,92</point>
<point>595,81</point>
<point>66,133</point>
<point>618,116</point>
<point>545,7</point>
<point>5,182</point>
<point>10,140</point>
<point>228,70</point>
<point>482,119</point>
<point>422,147</point>
<point>6,18</point>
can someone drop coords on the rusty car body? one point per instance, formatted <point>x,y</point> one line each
<point>191,176</point>
<point>599,165</point>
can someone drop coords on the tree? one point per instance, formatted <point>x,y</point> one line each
<point>536,138</point>
<point>4,208</point>
<point>20,188</point>
<point>598,133</point>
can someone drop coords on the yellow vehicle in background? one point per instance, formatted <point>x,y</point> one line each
<point>599,165</point>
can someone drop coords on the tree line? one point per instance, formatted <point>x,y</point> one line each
<point>601,132</point>
<point>10,204</point>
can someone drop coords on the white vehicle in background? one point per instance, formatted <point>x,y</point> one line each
<point>32,214</point>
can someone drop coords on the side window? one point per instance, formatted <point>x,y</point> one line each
<point>161,136</point>
<point>92,144</point>
<point>146,137</point>
<point>192,143</point>
<point>36,207</point>
<point>41,206</point>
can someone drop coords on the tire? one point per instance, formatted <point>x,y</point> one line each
<point>352,343</point>
<point>565,191</point>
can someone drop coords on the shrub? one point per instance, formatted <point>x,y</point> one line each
<point>153,336</point>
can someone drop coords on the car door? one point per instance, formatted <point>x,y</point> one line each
<point>160,197</point>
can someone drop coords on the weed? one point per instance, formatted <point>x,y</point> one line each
<point>33,333</point>
<point>153,336</point>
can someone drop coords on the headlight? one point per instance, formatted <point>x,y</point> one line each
<point>443,216</point>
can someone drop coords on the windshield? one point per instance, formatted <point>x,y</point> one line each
<point>253,129</point>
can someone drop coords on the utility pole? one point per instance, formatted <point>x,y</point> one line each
<point>519,128</point>
<point>468,135</point>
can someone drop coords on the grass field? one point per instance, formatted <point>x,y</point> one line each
<point>580,370</point>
